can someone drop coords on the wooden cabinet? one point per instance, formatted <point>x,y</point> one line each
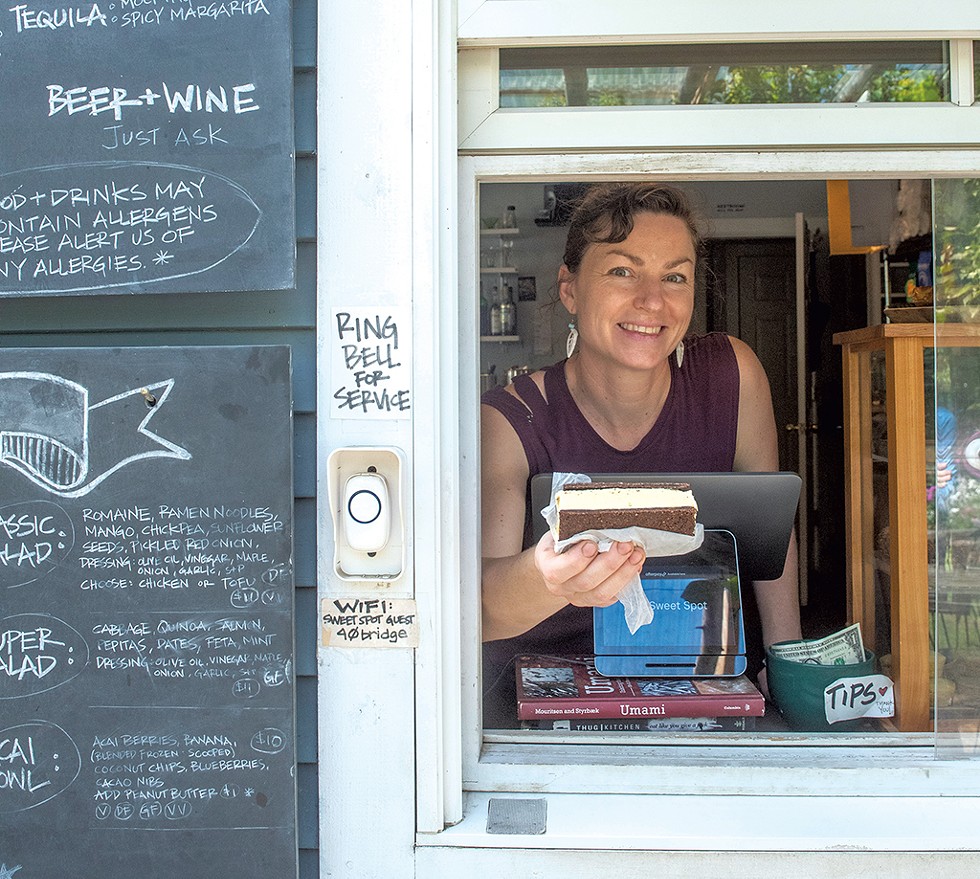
<point>903,346</point>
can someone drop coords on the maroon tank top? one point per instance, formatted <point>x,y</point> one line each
<point>695,432</point>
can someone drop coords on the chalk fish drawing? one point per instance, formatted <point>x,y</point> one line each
<point>67,446</point>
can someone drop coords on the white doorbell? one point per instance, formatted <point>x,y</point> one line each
<point>366,512</point>
<point>365,491</point>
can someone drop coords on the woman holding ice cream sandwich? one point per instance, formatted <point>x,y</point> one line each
<point>634,395</point>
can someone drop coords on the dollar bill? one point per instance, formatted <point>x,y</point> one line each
<point>841,648</point>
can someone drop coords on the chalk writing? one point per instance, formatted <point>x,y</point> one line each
<point>146,624</point>
<point>227,548</point>
<point>159,552</point>
<point>162,775</point>
<point>81,227</point>
<point>129,97</point>
<point>38,762</point>
<point>235,99</point>
<point>195,650</point>
<point>34,538</point>
<point>269,741</point>
<point>371,363</point>
<point>28,18</point>
<point>38,652</point>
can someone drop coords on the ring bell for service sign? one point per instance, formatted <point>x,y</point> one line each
<point>146,146</point>
<point>370,362</point>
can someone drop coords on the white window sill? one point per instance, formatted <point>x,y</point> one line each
<point>740,764</point>
<point>729,823</point>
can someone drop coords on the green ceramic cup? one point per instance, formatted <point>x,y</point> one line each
<point>797,688</point>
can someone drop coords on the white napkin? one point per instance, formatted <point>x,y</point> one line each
<point>656,543</point>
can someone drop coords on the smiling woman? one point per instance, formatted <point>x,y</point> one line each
<point>623,401</point>
<point>632,301</point>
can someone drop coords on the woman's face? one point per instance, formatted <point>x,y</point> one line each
<point>633,300</point>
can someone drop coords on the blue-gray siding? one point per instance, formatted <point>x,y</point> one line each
<point>262,317</point>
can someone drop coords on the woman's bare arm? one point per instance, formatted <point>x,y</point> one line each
<point>522,588</point>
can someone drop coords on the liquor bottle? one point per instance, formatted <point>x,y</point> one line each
<point>496,327</point>
<point>508,317</point>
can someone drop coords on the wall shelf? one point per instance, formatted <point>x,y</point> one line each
<point>495,257</point>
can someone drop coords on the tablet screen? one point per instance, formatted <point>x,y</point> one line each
<point>697,612</point>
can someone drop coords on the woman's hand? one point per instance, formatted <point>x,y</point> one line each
<point>582,575</point>
<point>521,588</point>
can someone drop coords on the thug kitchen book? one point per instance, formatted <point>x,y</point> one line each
<point>550,687</point>
<point>731,723</point>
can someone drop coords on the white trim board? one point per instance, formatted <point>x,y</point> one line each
<point>439,862</point>
<point>657,822</point>
<point>743,127</point>
<point>567,22</point>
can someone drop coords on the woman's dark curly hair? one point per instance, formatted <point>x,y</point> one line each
<point>604,215</point>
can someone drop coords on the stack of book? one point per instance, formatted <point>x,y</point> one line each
<point>566,693</point>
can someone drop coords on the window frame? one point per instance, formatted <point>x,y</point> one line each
<point>643,787</point>
<point>484,127</point>
<point>753,765</point>
<point>570,22</point>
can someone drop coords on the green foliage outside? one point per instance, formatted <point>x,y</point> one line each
<point>958,242</point>
<point>903,85</point>
<point>749,84</point>
<point>805,84</point>
<point>799,84</point>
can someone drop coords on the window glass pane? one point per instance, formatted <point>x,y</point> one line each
<point>956,511</point>
<point>976,70</point>
<point>759,73</point>
<point>750,229</point>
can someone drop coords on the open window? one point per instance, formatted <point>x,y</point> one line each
<point>751,218</point>
<point>748,287</point>
<point>741,161</point>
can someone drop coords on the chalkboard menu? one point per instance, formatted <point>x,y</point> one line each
<point>146,613</point>
<point>146,146</point>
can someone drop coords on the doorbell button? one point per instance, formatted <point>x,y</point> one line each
<point>364,506</point>
<point>366,512</point>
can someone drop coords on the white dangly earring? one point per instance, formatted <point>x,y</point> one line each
<point>572,339</point>
<point>679,353</point>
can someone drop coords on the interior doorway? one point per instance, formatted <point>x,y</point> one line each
<point>751,288</point>
<point>751,293</point>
